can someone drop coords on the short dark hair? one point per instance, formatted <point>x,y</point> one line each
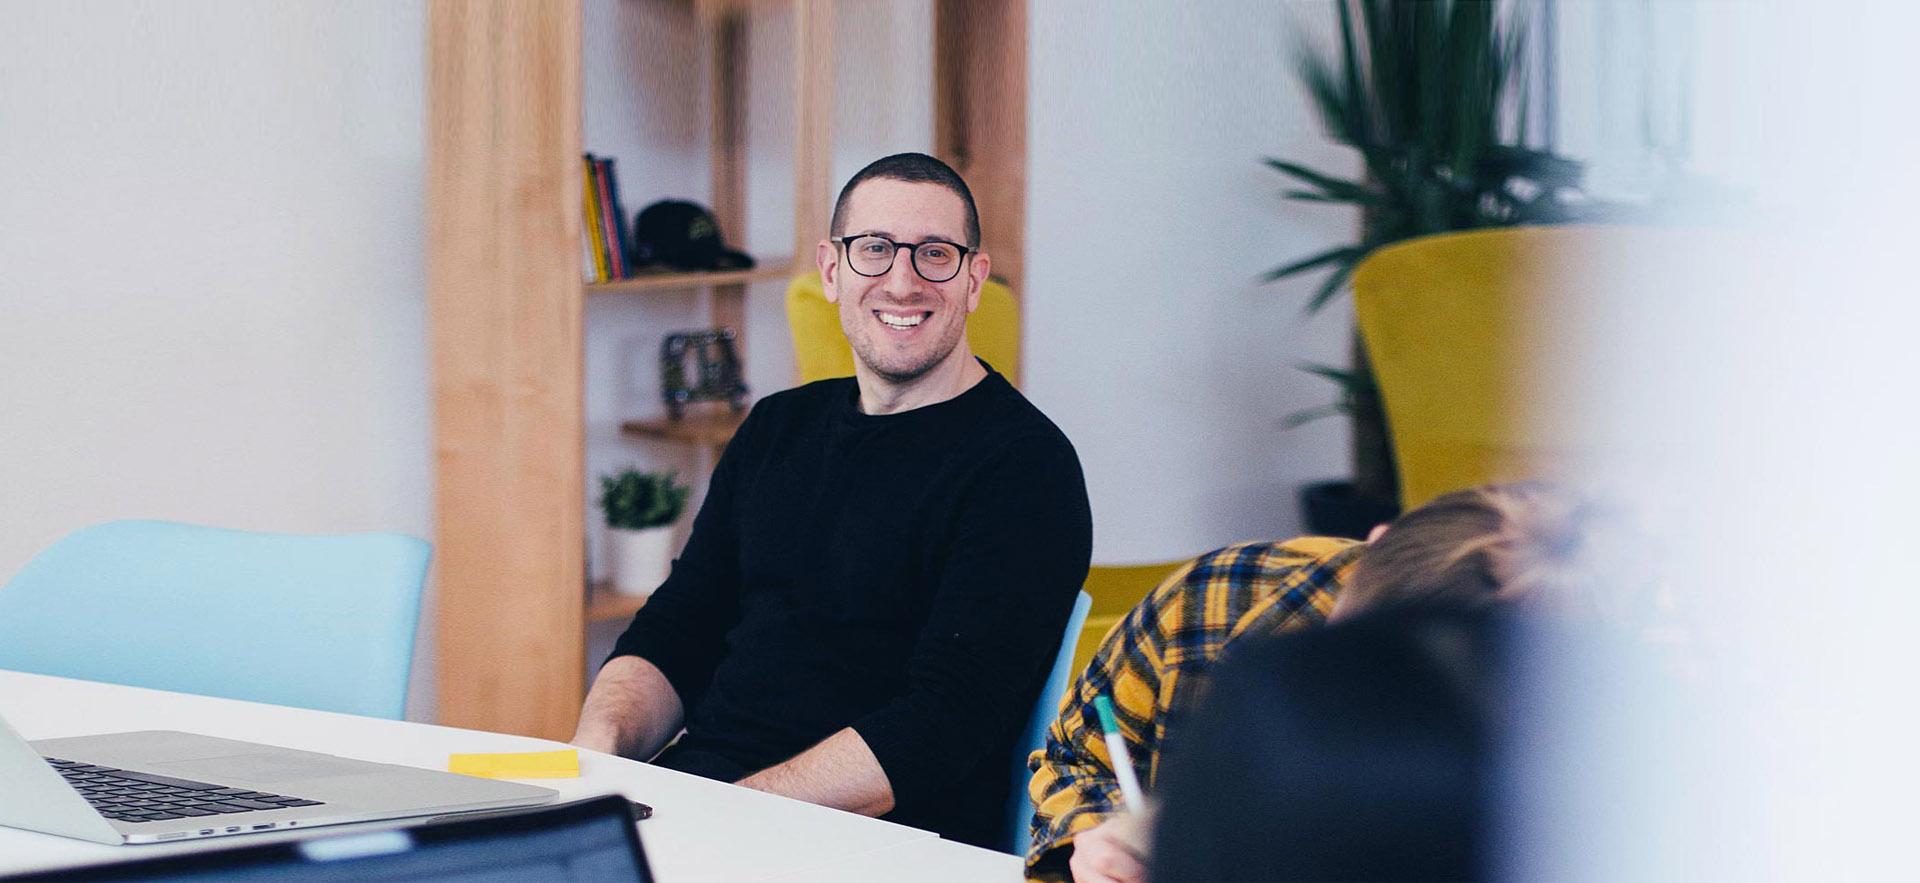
<point>916,168</point>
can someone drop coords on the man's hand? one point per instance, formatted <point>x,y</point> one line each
<point>1114,851</point>
<point>597,738</point>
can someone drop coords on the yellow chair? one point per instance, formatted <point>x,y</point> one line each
<point>1116,589</point>
<point>820,349</point>
<point>1466,333</point>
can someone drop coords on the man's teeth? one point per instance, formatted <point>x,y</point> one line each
<point>898,321</point>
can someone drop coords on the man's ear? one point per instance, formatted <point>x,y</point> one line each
<point>977,271</point>
<point>827,258</point>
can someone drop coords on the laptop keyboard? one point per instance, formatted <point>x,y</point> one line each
<point>127,796</point>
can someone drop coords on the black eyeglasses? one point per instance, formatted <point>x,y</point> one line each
<point>935,260</point>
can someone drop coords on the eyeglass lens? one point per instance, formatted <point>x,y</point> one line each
<point>873,256</point>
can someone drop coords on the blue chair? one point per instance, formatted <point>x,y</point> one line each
<point>1034,735</point>
<point>322,622</point>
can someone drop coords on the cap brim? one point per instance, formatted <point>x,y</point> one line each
<point>729,259</point>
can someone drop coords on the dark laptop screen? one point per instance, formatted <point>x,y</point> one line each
<point>588,841</point>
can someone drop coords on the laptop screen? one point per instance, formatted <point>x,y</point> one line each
<point>588,841</point>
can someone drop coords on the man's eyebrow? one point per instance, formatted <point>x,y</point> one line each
<point>889,236</point>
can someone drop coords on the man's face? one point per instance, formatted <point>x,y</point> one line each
<point>902,326</point>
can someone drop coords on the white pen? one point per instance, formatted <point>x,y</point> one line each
<point>1117,750</point>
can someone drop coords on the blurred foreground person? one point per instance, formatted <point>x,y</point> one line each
<point>1426,743</point>
<point>1356,752</point>
<point>1483,546</point>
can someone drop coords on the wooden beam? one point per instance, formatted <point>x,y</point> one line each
<point>505,313</point>
<point>727,75</point>
<point>726,304</point>
<point>813,125</point>
<point>980,119</point>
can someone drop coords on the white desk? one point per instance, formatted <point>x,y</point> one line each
<point>701,829</point>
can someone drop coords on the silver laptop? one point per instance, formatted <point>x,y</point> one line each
<point>161,785</point>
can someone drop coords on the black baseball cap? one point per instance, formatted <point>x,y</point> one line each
<point>685,236</point>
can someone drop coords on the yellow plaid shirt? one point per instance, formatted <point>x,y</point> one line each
<point>1178,631</point>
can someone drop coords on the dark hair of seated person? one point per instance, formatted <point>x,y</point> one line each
<point>1355,752</point>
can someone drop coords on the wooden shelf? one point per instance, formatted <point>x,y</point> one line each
<point>712,428</point>
<point>605,604</point>
<point>777,268</point>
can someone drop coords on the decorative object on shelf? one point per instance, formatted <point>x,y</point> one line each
<point>641,508</point>
<point>684,236</point>
<point>715,370</point>
<point>1425,92</point>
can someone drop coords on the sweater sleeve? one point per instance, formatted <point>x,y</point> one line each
<point>1016,557</point>
<point>682,628</point>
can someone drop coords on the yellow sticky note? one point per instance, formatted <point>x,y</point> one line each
<point>519,765</point>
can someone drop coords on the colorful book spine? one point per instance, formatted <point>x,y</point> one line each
<point>609,226</point>
<point>621,237</point>
<point>591,209</point>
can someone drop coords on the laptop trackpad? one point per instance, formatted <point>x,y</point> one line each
<point>262,768</point>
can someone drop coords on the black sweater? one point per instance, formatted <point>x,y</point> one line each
<point>908,575</point>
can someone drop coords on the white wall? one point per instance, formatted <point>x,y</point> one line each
<point>1148,336</point>
<point>213,304</point>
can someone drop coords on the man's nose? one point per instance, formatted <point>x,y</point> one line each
<point>901,280</point>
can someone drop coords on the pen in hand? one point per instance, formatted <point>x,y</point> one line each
<point>1117,750</point>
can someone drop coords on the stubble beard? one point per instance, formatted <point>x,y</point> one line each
<point>869,355</point>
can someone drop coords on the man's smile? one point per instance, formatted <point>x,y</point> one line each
<point>902,321</point>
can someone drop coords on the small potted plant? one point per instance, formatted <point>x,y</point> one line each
<point>641,508</point>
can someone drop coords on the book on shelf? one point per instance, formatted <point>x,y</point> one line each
<point>620,221</point>
<point>605,228</point>
<point>590,207</point>
<point>609,218</point>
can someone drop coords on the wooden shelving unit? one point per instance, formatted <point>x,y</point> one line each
<point>709,428</point>
<point>507,308</point>
<point>652,282</point>
<point>606,605</point>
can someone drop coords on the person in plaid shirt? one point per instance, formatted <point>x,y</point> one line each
<point>1470,548</point>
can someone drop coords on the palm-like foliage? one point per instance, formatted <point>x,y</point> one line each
<point>1431,94</point>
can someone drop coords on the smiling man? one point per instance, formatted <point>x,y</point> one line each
<point>878,579</point>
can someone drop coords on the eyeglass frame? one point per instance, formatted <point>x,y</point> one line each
<point>913,250</point>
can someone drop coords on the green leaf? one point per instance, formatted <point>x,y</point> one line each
<point>1337,112</point>
<point>1353,190</point>
<point>1360,129</point>
<point>1334,284</point>
<point>1354,381</point>
<point>1316,196</point>
<point>1342,376</point>
<point>1342,253</point>
<point>1305,416</point>
<point>636,500</point>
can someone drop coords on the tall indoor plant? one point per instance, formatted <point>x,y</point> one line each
<point>1434,96</point>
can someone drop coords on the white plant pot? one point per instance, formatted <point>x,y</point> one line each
<point>640,558</point>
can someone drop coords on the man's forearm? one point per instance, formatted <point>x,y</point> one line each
<point>840,772</point>
<point>631,711</point>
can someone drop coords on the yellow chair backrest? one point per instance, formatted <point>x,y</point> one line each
<point>820,349</point>
<point>1116,589</point>
<point>1467,334</point>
